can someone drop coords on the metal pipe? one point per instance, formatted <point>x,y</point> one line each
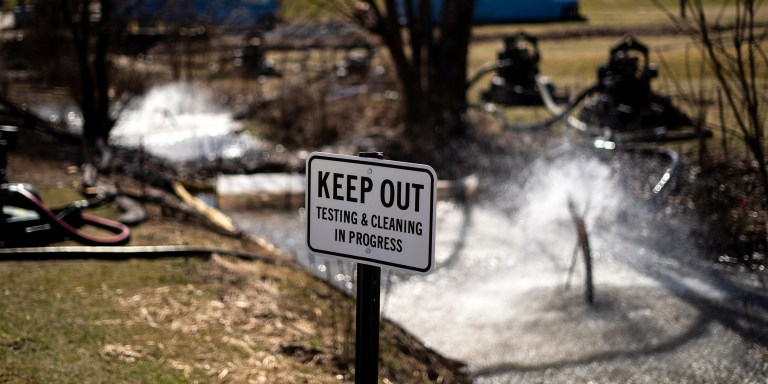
<point>123,253</point>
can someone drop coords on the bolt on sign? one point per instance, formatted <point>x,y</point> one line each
<point>377,212</point>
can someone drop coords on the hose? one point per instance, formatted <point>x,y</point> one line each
<point>671,170</point>
<point>120,230</point>
<point>542,86</point>
<point>485,68</point>
<point>123,253</point>
<point>559,112</point>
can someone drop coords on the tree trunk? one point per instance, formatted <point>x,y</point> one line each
<point>101,72</point>
<point>431,68</point>
<point>91,47</point>
<point>449,81</point>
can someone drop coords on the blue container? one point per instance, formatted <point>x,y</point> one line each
<point>234,13</point>
<point>503,11</point>
<point>512,11</point>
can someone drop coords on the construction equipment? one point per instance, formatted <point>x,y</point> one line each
<point>618,112</point>
<point>517,82</point>
<point>624,108</point>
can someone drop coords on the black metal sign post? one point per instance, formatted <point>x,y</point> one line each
<point>367,316</point>
<point>367,324</point>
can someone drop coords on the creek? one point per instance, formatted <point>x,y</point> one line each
<point>498,300</point>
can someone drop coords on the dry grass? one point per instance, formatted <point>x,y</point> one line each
<point>179,320</point>
<point>158,321</point>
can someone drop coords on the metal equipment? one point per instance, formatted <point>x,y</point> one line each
<point>26,221</point>
<point>251,58</point>
<point>516,82</point>
<point>619,112</point>
<point>356,64</point>
<point>624,108</point>
<point>8,140</point>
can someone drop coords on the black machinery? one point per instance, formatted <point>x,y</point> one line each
<point>8,140</point>
<point>622,106</point>
<point>26,221</point>
<point>251,57</point>
<point>517,81</point>
<point>356,64</point>
<point>617,112</point>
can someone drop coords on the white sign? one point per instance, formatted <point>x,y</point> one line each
<point>374,211</point>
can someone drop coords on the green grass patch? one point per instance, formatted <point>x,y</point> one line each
<point>63,322</point>
<point>183,321</point>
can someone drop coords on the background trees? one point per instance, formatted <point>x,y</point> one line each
<point>68,42</point>
<point>89,26</point>
<point>428,50</point>
<point>731,44</point>
<point>735,54</point>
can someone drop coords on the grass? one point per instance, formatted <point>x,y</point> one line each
<point>67,314</point>
<point>573,63</point>
<point>181,320</point>
<point>597,12</point>
<point>634,13</point>
<point>162,321</point>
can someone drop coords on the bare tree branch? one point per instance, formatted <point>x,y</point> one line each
<point>737,58</point>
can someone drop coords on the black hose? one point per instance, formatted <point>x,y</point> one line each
<point>543,90</point>
<point>123,253</point>
<point>558,114</point>
<point>485,68</point>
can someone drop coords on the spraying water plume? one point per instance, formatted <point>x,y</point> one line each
<point>182,121</point>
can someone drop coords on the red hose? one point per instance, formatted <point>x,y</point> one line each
<point>121,231</point>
